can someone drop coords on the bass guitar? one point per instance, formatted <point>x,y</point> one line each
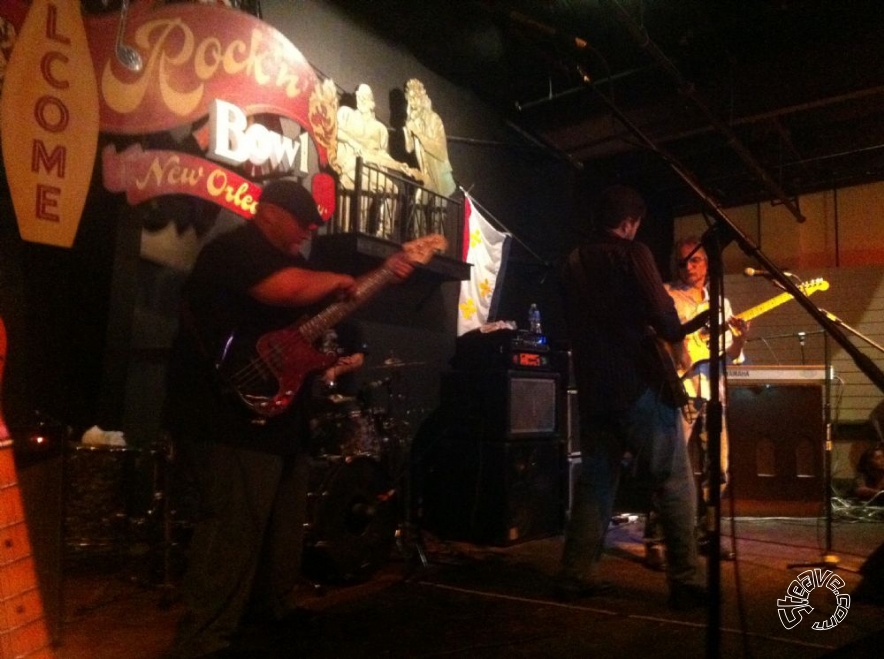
<point>24,632</point>
<point>267,376</point>
<point>696,345</point>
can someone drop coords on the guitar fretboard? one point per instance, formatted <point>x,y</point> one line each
<point>764,307</point>
<point>24,632</point>
<point>366,288</point>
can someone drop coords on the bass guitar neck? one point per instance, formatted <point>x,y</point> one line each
<point>268,376</point>
<point>24,632</point>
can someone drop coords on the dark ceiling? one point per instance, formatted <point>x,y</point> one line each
<point>752,99</point>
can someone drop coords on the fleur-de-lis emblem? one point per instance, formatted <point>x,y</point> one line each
<point>468,309</point>
<point>475,238</point>
<point>485,288</point>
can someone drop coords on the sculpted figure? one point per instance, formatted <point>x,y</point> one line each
<point>360,133</point>
<point>425,137</point>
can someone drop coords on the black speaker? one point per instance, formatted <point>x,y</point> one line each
<point>492,493</point>
<point>504,405</point>
<point>777,439</point>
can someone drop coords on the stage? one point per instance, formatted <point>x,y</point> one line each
<point>472,601</point>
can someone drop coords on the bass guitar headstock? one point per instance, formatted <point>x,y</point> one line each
<point>422,250</point>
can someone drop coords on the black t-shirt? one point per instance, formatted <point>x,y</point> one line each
<point>219,327</point>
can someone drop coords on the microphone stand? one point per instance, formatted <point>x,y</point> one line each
<point>718,235</point>
<point>829,560</point>
<point>852,330</point>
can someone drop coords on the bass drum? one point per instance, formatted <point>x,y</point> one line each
<point>347,434</point>
<point>351,512</point>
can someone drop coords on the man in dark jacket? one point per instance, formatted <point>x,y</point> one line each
<point>617,311</point>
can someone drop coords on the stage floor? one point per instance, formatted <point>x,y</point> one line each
<point>472,601</point>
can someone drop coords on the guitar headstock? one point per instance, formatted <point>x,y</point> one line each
<point>422,250</point>
<point>814,285</point>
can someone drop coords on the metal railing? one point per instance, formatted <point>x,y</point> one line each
<point>395,208</point>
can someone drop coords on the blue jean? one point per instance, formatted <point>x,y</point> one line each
<point>649,430</point>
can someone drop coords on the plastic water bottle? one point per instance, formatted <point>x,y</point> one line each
<point>534,325</point>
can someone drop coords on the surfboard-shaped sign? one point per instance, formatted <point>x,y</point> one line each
<point>49,122</point>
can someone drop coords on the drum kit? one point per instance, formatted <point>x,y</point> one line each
<point>359,476</point>
<point>359,484</point>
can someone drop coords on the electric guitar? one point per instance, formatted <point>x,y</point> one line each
<point>23,632</point>
<point>267,376</point>
<point>696,345</point>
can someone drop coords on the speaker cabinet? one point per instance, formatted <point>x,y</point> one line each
<point>777,438</point>
<point>492,493</point>
<point>504,405</point>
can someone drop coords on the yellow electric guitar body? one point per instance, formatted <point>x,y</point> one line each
<point>696,345</point>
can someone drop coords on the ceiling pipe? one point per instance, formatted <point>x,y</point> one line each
<point>688,89</point>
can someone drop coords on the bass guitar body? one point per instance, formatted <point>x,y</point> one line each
<point>267,374</point>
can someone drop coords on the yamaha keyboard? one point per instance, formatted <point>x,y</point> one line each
<point>815,374</point>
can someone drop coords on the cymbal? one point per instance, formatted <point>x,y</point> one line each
<point>395,362</point>
<point>338,398</point>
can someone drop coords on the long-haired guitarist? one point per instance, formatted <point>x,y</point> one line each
<point>690,293</point>
<point>235,411</point>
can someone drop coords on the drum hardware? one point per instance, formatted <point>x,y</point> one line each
<point>351,519</point>
<point>360,495</point>
<point>409,540</point>
<point>164,528</point>
<point>398,457</point>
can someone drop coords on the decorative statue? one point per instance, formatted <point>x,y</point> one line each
<point>425,137</point>
<point>361,134</point>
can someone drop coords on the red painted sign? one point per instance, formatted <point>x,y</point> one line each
<point>143,175</point>
<point>194,54</point>
<point>191,54</point>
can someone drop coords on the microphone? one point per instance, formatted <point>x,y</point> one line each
<point>752,272</point>
<point>548,30</point>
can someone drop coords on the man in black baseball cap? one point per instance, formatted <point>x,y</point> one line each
<point>293,197</point>
<point>250,467</point>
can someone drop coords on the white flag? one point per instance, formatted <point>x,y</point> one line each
<point>485,248</point>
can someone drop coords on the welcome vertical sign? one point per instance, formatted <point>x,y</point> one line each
<point>49,122</point>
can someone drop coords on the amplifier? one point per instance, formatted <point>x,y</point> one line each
<point>503,405</point>
<point>505,349</point>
